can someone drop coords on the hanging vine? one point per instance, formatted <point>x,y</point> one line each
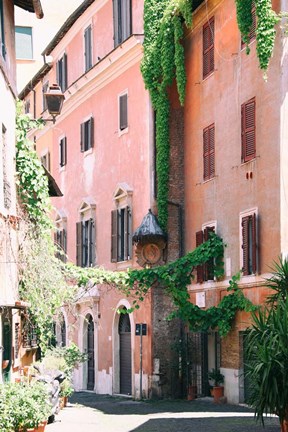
<point>164,60</point>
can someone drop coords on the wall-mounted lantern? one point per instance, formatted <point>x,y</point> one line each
<point>54,99</point>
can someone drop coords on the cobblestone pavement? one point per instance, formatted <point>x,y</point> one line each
<point>89,412</point>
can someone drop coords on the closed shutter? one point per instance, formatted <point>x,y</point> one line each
<point>126,19</point>
<point>91,243</point>
<point>199,241</point>
<point>65,151</point>
<point>252,33</point>
<point>91,132</point>
<point>245,245</point>
<point>123,109</point>
<point>82,137</point>
<point>248,130</point>
<point>127,233</point>
<point>209,152</point>
<point>88,48</point>
<point>79,242</point>
<point>58,73</point>
<point>208,48</point>
<point>114,235</point>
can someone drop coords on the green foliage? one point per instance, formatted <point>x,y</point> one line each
<point>64,358</point>
<point>216,376</point>
<point>278,282</point>
<point>23,406</point>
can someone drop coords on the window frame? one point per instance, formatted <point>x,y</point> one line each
<point>122,21</point>
<point>208,53</point>
<point>123,112</point>
<point>63,152</point>
<point>62,72</point>
<point>248,131</point>
<point>209,152</point>
<point>87,134</point>
<point>203,272</point>
<point>249,251</point>
<point>30,34</point>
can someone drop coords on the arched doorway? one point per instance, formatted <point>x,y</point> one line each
<point>124,330</point>
<point>91,354</point>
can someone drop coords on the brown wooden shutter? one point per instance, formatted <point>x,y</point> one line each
<point>206,153</point>
<point>114,235</point>
<point>91,132</point>
<point>91,246</point>
<point>82,137</point>
<point>248,130</point>
<point>209,152</point>
<point>79,243</point>
<point>127,233</point>
<point>123,109</point>
<point>65,151</point>
<point>199,241</point>
<point>254,242</point>
<point>245,244</point>
<point>208,267</point>
<point>208,47</point>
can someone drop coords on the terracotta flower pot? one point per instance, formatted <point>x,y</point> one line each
<point>218,392</point>
<point>191,392</point>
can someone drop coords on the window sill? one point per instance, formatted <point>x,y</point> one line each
<point>209,75</point>
<point>62,168</point>
<point>209,180</point>
<point>88,152</point>
<point>123,132</point>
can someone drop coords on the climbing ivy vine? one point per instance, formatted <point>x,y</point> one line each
<point>164,61</point>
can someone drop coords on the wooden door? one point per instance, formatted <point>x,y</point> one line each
<point>91,355</point>
<point>125,354</point>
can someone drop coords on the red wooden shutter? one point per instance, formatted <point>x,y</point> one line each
<point>79,243</point>
<point>254,243</point>
<point>245,244</point>
<point>206,154</point>
<point>209,152</point>
<point>114,235</point>
<point>199,241</point>
<point>248,130</point>
<point>82,137</point>
<point>208,47</point>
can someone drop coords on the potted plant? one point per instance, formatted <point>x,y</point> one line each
<point>66,390</point>
<point>217,378</point>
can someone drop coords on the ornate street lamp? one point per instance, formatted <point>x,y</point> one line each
<point>54,99</point>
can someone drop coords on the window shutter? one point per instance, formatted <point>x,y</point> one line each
<point>91,132</point>
<point>206,153</point>
<point>208,47</point>
<point>245,244</point>
<point>126,20</point>
<point>65,73</point>
<point>254,243</point>
<point>252,33</point>
<point>91,243</point>
<point>123,108</point>
<point>248,130</point>
<point>116,22</point>
<point>199,241</point>
<point>114,235</point>
<point>58,73</point>
<point>208,267</point>
<point>212,151</point>
<point>48,161</point>
<point>82,137</point>
<point>127,233</point>
<point>65,151</point>
<point>79,242</point>
<point>88,46</point>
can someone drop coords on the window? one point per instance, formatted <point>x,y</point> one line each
<point>208,48</point>
<point>249,243</point>
<point>87,134</point>
<point>63,152</point>
<point>6,183</point>
<point>252,33</point>
<point>123,112</point>
<point>2,38</point>
<point>248,130</point>
<point>121,229</point>
<point>60,240</point>
<point>205,271</point>
<point>45,88</point>
<point>45,160</point>
<point>209,152</point>
<point>88,48</point>
<point>27,106</point>
<point>85,243</point>
<point>61,72</point>
<point>122,20</point>
<point>23,42</point>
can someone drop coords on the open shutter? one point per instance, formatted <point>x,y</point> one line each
<point>91,243</point>
<point>91,132</point>
<point>116,22</point>
<point>206,154</point>
<point>199,241</point>
<point>65,151</point>
<point>126,19</point>
<point>123,109</point>
<point>212,151</point>
<point>65,73</point>
<point>114,235</point>
<point>248,130</point>
<point>82,137</point>
<point>88,46</point>
<point>245,244</point>
<point>58,73</point>
<point>127,233</point>
<point>208,268</point>
<point>79,242</point>
<point>254,242</point>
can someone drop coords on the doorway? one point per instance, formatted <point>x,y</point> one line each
<point>124,330</point>
<point>91,354</point>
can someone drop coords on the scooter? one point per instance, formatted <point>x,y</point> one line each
<point>53,379</point>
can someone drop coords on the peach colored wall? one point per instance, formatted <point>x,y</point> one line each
<point>218,99</point>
